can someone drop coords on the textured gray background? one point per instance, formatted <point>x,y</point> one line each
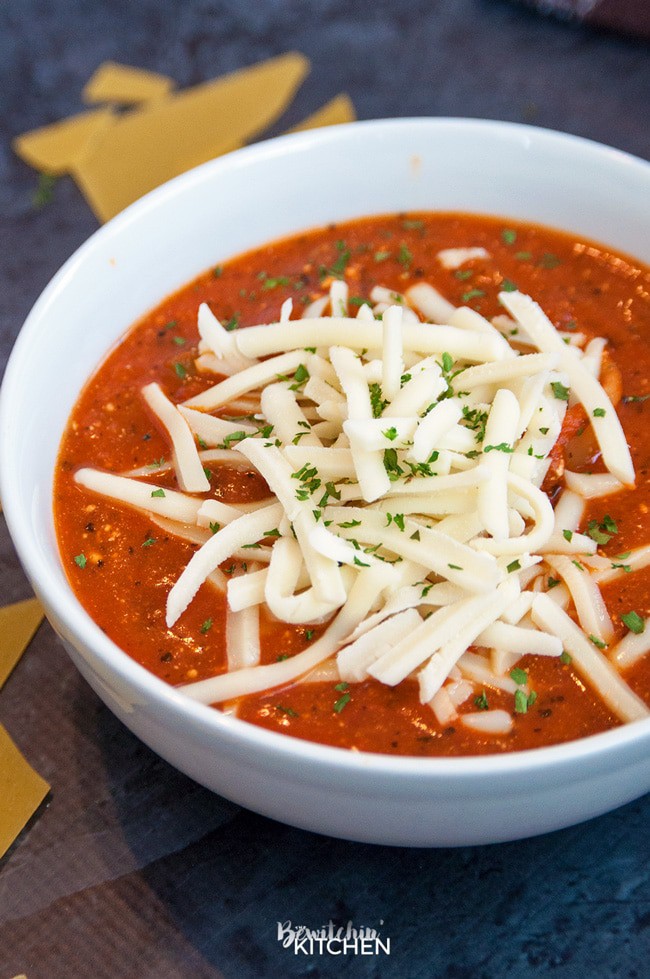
<point>133,870</point>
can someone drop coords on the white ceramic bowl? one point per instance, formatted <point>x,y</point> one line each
<point>158,244</point>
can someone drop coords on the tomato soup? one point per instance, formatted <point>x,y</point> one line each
<point>122,561</point>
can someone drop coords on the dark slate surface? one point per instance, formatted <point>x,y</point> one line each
<point>133,870</point>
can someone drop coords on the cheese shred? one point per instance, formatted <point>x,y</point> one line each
<point>406,459</point>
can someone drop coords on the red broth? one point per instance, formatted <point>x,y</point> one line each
<point>126,565</point>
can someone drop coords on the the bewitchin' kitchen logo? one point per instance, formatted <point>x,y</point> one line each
<point>331,939</point>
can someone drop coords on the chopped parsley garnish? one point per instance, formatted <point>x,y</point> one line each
<point>549,261</point>
<point>391,465</point>
<point>513,566</point>
<point>508,236</point>
<point>350,523</point>
<point>560,391</point>
<point>149,541</point>
<point>217,271</point>
<point>632,398</point>
<point>472,294</point>
<point>598,642</point>
<point>377,401</point>
<point>80,561</point>
<point>508,286</point>
<point>381,256</point>
<point>568,535</point>
<point>602,532</point>
<point>179,341</point>
<point>463,274</point>
<point>360,563</point>
<point>341,702</point>
<point>523,702</point>
<point>289,711</point>
<point>523,256</point>
<point>519,676</point>
<point>158,492</point>
<point>404,256</point>
<point>214,527</point>
<point>232,323</point>
<point>390,433</point>
<point>501,447</point>
<point>634,622</point>
<point>552,583</point>
<point>236,437</point>
<point>300,377</point>
<point>272,283</point>
<point>181,371</point>
<point>156,464</point>
<point>565,658</point>
<point>455,567</point>
<point>338,268</point>
<point>309,634</point>
<point>476,419</point>
<point>599,412</point>
<point>207,625</point>
<point>396,518</point>
<point>481,702</point>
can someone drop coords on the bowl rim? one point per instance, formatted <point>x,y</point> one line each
<point>209,721</point>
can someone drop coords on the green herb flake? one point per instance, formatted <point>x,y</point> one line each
<point>634,622</point>
<point>390,433</point>
<point>381,256</point>
<point>181,371</point>
<point>519,676</point>
<point>568,535</point>
<point>560,391</point>
<point>599,412</point>
<point>359,563</point>
<point>158,492</point>
<point>481,702</point>
<point>549,261</point>
<point>289,711</point>
<point>521,702</point>
<point>217,271</point>
<point>309,634</point>
<point>404,256</point>
<point>377,401</point>
<point>463,274</point>
<point>523,256</point>
<point>455,567</point>
<point>565,658</point>
<point>513,566</point>
<point>472,294</point>
<point>501,447</point>
<point>508,236</point>
<point>341,702</point>
<point>80,561</point>
<point>215,527</point>
<point>552,583</point>
<point>149,541</point>
<point>207,625</point>
<point>508,286</point>
<point>232,323</point>
<point>634,398</point>
<point>350,523</point>
<point>598,642</point>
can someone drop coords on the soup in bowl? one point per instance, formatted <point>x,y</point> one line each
<point>360,495</point>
